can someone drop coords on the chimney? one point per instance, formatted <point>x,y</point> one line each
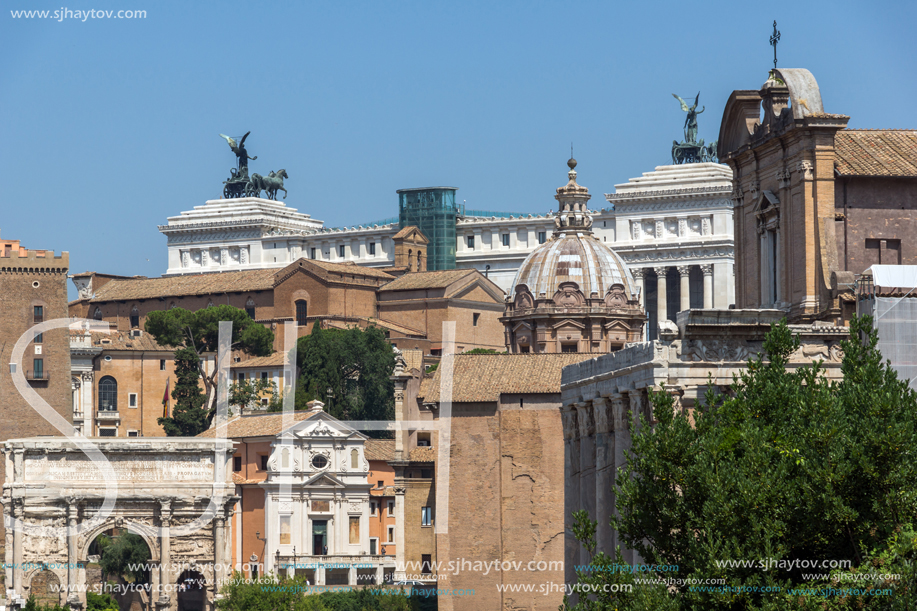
<point>315,406</point>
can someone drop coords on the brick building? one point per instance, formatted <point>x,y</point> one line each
<point>815,203</point>
<point>505,477</point>
<point>33,287</point>
<point>410,308</point>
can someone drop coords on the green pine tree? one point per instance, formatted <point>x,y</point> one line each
<point>188,418</point>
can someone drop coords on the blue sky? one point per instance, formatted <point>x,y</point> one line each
<point>110,126</point>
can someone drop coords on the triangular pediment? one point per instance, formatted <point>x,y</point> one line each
<point>323,426</point>
<point>524,326</point>
<point>472,282</point>
<point>766,200</point>
<point>411,234</point>
<point>617,324</point>
<point>568,323</point>
<point>325,479</point>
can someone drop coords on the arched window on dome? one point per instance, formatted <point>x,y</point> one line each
<point>108,394</point>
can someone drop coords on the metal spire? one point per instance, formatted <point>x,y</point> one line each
<point>774,38</point>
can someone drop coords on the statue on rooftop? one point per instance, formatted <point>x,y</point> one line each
<point>692,150</point>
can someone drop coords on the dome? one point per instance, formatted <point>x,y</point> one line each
<point>582,259</point>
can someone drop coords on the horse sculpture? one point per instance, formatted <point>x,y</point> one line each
<point>270,184</point>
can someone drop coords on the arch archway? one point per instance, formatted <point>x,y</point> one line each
<point>191,591</point>
<point>45,585</point>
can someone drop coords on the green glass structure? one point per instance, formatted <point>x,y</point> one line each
<point>432,210</point>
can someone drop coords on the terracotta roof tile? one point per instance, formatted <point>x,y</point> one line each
<point>271,360</point>
<point>427,280</point>
<point>238,479</point>
<point>122,341</point>
<point>413,358</point>
<point>880,152</point>
<point>422,455</point>
<point>379,449</point>
<point>179,286</point>
<point>408,231</point>
<point>259,425</point>
<point>484,377</point>
<point>351,269</point>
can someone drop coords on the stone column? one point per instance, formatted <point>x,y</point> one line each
<point>219,546</point>
<point>73,598</point>
<point>684,271</point>
<point>661,297</point>
<point>604,476</point>
<point>635,406</point>
<point>586,424</point>
<point>571,490</point>
<point>400,555</point>
<point>639,274</point>
<point>18,517</point>
<point>165,554</point>
<point>708,285</point>
<point>622,446</point>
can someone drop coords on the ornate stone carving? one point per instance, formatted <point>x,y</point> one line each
<point>705,226</point>
<point>568,420</point>
<point>684,271</point>
<point>243,255</point>
<point>619,414</point>
<point>660,229</point>
<point>568,295</point>
<point>205,257</point>
<point>185,258</point>
<point>783,178</point>
<point>638,273</point>
<point>636,230</point>
<point>682,228</point>
<point>224,256</point>
<point>616,298</point>
<point>806,168</point>
<point>585,419</point>
<point>707,269</point>
<point>600,408</point>
<point>711,350</point>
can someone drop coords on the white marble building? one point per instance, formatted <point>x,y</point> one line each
<point>675,221</point>
<point>317,504</point>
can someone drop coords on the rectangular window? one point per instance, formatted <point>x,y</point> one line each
<point>390,534</point>
<point>133,434</point>
<point>241,376</point>
<point>373,546</point>
<point>39,313</point>
<point>263,375</point>
<point>505,238</point>
<point>263,458</point>
<point>38,338</point>
<point>135,321</point>
<point>354,530</point>
<point>426,516</point>
<point>426,473</point>
<point>380,484</point>
<point>132,399</point>
<point>311,253</point>
<point>426,564</point>
<point>372,249</point>
<point>423,440</point>
<point>162,364</point>
<point>542,237</point>
<point>250,312</point>
<point>236,463</point>
<point>38,369</point>
<point>391,508</point>
<point>373,507</point>
<point>523,349</point>
<point>285,524</point>
<point>107,432</point>
<point>568,347</point>
<point>302,312</point>
<point>470,241</point>
<point>474,319</point>
<point>341,251</point>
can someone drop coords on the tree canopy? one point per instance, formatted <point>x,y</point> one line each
<point>787,467</point>
<point>124,555</point>
<point>348,370</point>
<point>195,334</point>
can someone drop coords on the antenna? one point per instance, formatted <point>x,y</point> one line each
<point>571,150</point>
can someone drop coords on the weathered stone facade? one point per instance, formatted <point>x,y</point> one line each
<point>600,396</point>
<point>54,504</point>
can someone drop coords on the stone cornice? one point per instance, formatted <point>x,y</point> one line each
<point>689,192</point>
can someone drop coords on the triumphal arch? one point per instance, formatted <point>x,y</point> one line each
<point>61,493</point>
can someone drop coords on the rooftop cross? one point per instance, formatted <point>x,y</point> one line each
<point>774,38</point>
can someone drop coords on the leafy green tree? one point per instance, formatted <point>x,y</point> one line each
<point>787,466</point>
<point>484,351</point>
<point>32,604</point>
<point>189,418</point>
<point>198,332</point>
<point>100,602</point>
<point>127,555</point>
<point>348,370</point>
<point>247,394</point>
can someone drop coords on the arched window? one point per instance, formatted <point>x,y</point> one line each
<point>135,318</point>
<point>302,312</point>
<point>410,259</point>
<point>354,459</point>
<point>108,394</point>
<point>419,262</point>
<point>250,308</point>
<point>98,313</point>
